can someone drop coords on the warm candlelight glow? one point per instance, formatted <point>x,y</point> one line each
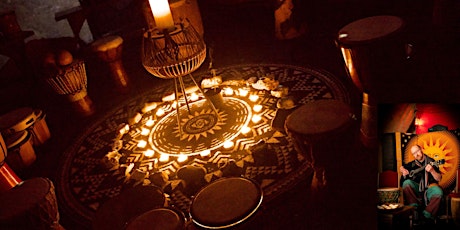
<point>129,168</point>
<point>174,104</point>
<point>228,91</point>
<point>245,130</point>
<point>164,158</point>
<point>150,123</point>
<point>149,107</point>
<point>257,108</point>
<point>194,97</point>
<point>228,144</point>
<point>160,112</point>
<point>205,153</point>
<point>243,92</point>
<point>149,153</point>
<point>254,97</point>
<point>145,132</point>
<point>162,14</point>
<point>124,130</point>
<point>182,158</point>
<point>142,144</point>
<point>256,118</point>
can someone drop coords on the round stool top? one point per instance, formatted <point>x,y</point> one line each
<point>225,202</point>
<point>117,211</point>
<point>319,118</point>
<point>105,43</point>
<point>369,29</point>
<point>17,120</point>
<point>158,219</point>
<point>24,196</point>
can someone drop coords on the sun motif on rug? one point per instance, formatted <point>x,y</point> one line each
<point>200,124</point>
<point>441,146</point>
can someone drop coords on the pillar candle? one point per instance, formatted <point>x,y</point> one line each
<point>162,14</point>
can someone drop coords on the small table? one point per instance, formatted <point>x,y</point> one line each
<point>401,218</point>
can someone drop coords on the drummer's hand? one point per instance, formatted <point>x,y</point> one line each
<point>403,171</point>
<point>429,168</point>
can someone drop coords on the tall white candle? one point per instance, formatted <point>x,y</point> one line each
<point>162,14</point>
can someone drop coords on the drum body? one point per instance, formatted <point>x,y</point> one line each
<point>225,203</point>
<point>109,49</point>
<point>388,195</point>
<point>118,211</point>
<point>158,219</point>
<point>31,204</point>
<point>3,150</point>
<point>455,210</point>
<point>21,153</point>
<point>374,51</point>
<point>72,82</point>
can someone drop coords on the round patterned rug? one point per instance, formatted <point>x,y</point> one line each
<point>127,147</point>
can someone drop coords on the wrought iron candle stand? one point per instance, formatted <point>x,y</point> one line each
<point>173,55</point>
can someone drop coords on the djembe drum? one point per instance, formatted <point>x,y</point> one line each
<point>26,118</point>
<point>388,195</point>
<point>226,203</point>
<point>8,178</point>
<point>158,219</point>
<point>109,49</point>
<point>30,205</point>
<point>72,83</point>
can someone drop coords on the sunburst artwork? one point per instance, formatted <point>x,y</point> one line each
<point>442,146</point>
<point>200,124</point>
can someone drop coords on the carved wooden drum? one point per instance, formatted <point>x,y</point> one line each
<point>373,50</point>
<point>225,203</point>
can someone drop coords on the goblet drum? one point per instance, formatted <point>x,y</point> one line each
<point>109,49</point>
<point>31,204</point>
<point>72,82</point>
<point>388,195</point>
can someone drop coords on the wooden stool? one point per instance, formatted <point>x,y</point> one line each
<point>109,49</point>
<point>30,205</point>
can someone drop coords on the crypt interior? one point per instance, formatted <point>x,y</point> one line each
<point>323,180</point>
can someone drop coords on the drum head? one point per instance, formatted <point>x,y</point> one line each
<point>225,202</point>
<point>17,120</point>
<point>117,211</point>
<point>158,219</point>
<point>369,29</point>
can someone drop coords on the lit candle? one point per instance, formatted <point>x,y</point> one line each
<point>142,144</point>
<point>150,123</point>
<point>243,92</point>
<point>253,97</point>
<point>194,97</point>
<point>256,118</point>
<point>228,91</point>
<point>162,14</point>
<point>164,158</point>
<point>245,130</point>
<point>160,112</point>
<point>182,158</point>
<point>149,153</point>
<point>228,144</point>
<point>205,153</point>
<point>145,132</point>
